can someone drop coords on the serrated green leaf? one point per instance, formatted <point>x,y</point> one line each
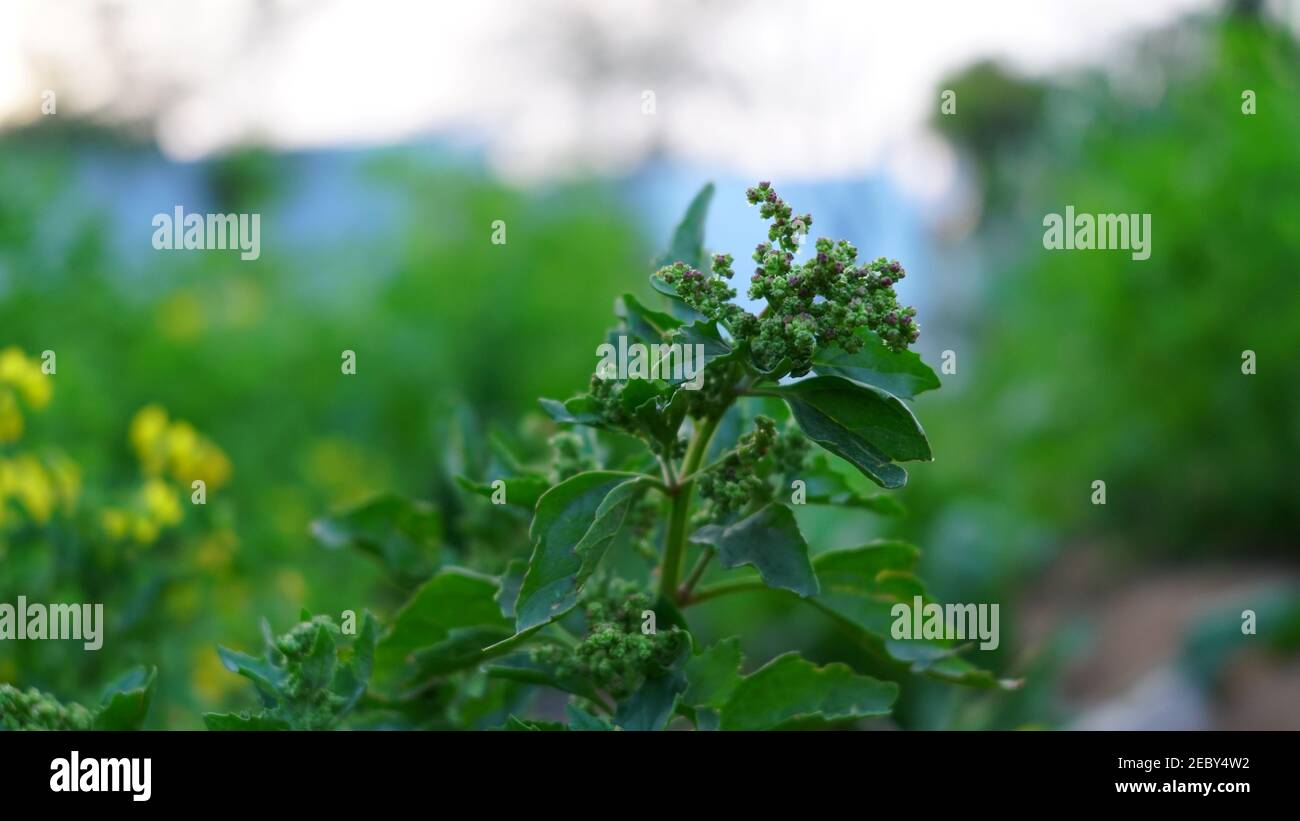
<point>790,689</point>
<point>860,423</point>
<point>768,539</point>
<point>243,721</point>
<point>901,373</point>
<point>514,723</point>
<point>573,525</point>
<point>860,587</point>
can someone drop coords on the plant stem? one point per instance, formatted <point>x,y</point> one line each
<point>675,543</point>
<point>724,589</point>
<point>684,594</point>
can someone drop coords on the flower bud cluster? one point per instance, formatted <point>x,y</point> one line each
<point>33,710</point>
<point>820,302</point>
<point>616,656</point>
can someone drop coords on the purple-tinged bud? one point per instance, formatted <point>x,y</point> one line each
<point>894,266</point>
<point>892,318</point>
<point>772,197</point>
<point>839,267</point>
<point>764,184</point>
<point>905,321</point>
<point>886,282</point>
<point>821,258</point>
<point>792,281</point>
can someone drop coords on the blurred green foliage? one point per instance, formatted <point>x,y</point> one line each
<point>249,353</point>
<point>1086,365</point>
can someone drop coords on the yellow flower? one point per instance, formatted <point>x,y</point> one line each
<point>210,679</point>
<point>26,375</point>
<point>146,433</point>
<point>160,504</point>
<point>143,530</point>
<point>66,478</point>
<point>12,364</point>
<point>182,441</point>
<point>114,522</point>
<point>214,552</point>
<point>11,418</point>
<point>177,449</point>
<point>32,487</point>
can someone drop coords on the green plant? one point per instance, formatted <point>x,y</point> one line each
<point>622,545</point>
<point>304,679</point>
<point>124,706</point>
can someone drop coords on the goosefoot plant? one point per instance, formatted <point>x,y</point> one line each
<point>662,495</point>
<point>124,706</point>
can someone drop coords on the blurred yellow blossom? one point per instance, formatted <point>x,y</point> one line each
<point>216,550</point>
<point>25,480</point>
<point>211,680</point>
<point>160,504</point>
<point>291,585</point>
<point>25,375</point>
<point>11,418</point>
<point>115,523</point>
<point>175,448</point>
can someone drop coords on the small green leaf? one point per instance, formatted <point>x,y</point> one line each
<point>517,724</point>
<point>243,721</point>
<point>267,678</point>
<point>522,490</point>
<point>770,541</point>
<point>523,667</point>
<point>574,523</point>
<point>789,690</point>
<point>688,239</point>
<point>712,675</point>
<point>653,703</point>
<point>901,373</point>
<point>403,534</point>
<point>826,486</point>
<point>863,424</point>
<point>511,580</point>
<point>645,324</point>
<point>318,668</point>
<point>687,246</point>
<point>580,719</point>
<point>125,704</point>
<point>580,410</point>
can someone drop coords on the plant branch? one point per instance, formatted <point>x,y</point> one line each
<point>675,540</point>
<point>725,589</point>
<point>684,593</point>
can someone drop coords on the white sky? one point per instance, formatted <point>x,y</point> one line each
<point>549,87</point>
